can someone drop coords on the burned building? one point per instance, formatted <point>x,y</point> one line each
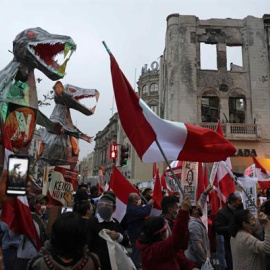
<point>232,91</point>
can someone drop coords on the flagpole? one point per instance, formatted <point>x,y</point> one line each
<point>170,168</point>
<point>159,146</point>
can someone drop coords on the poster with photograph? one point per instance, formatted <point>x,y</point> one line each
<point>189,180</point>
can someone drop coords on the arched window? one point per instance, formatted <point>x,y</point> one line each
<point>154,87</point>
<point>145,89</point>
<point>237,109</point>
<point>210,109</point>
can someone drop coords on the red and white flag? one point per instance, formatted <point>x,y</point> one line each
<point>121,188</point>
<point>223,184</point>
<point>17,213</point>
<point>19,219</point>
<point>179,141</point>
<point>262,174</point>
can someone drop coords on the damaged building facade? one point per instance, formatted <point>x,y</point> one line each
<point>235,95</point>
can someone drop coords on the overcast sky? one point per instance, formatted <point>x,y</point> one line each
<point>133,30</point>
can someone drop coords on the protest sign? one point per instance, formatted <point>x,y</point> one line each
<point>189,180</point>
<point>63,182</point>
<point>250,201</point>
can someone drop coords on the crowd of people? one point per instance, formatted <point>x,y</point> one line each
<point>89,237</point>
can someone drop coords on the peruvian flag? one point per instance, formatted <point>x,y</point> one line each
<point>144,129</point>
<point>223,184</point>
<point>19,219</point>
<point>17,213</point>
<point>121,188</point>
<point>262,174</point>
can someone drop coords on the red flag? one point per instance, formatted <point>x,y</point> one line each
<point>19,219</point>
<point>154,169</point>
<point>201,187</point>
<point>121,188</point>
<point>157,192</point>
<point>179,141</point>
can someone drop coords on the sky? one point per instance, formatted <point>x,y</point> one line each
<point>133,30</point>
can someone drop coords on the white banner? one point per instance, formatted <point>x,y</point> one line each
<point>249,185</point>
<point>189,180</point>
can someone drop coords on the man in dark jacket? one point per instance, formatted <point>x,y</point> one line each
<point>135,214</point>
<point>103,220</point>
<point>223,221</point>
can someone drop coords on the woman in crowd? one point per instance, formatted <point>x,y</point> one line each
<point>248,252</point>
<point>67,247</point>
<point>159,251</point>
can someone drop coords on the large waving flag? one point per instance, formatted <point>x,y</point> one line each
<point>121,188</point>
<point>179,141</point>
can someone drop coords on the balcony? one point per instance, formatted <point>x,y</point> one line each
<point>246,132</point>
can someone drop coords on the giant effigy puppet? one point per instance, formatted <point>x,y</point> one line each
<point>33,48</point>
<point>62,148</point>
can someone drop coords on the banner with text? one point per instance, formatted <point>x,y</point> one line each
<point>63,183</point>
<point>250,198</point>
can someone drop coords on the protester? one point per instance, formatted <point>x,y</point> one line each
<point>10,242</point>
<point>223,221</point>
<point>103,220</point>
<point>67,247</point>
<point>82,204</point>
<point>135,215</point>
<point>199,246</point>
<point>147,193</point>
<point>248,252</point>
<point>170,209</point>
<point>158,250</point>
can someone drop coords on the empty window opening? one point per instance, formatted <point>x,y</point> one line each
<point>237,110</point>
<point>210,109</point>
<point>234,58</point>
<point>208,56</point>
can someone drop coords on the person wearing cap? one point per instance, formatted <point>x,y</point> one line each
<point>104,220</point>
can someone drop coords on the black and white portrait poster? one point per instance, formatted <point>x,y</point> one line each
<point>189,180</point>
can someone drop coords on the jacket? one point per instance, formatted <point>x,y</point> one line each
<point>163,255</point>
<point>248,252</point>
<point>222,222</point>
<point>135,219</point>
<point>198,245</point>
